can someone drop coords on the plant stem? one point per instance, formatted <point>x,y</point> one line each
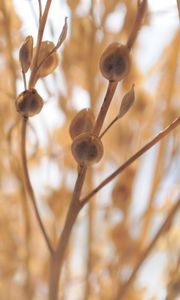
<point>142,5</point>
<point>178,5</point>
<point>10,48</point>
<point>123,290</point>
<point>33,77</point>
<point>105,106</point>
<point>28,185</point>
<point>40,10</point>
<point>108,127</point>
<point>58,255</point>
<point>124,166</point>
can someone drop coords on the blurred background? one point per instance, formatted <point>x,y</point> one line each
<point>113,230</point>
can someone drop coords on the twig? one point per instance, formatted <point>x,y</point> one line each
<point>149,145</point>
<point>104,108</point>
<point>142,5</point>
<point>24,80</point>
<point>8,33</point>
<point>28,185</point>
<point>57,258</point>
<point>123,290</point>
<point>108,127</point>
<point>42,24</point>
<point>40,10</point>
<point>178,5</point>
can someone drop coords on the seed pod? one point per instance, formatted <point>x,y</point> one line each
<point>29,103</point>
<point>82,122</point>
<point>87,149</point>
<point>115,62</point>
<point>26,53</point>
<point>47,61</point>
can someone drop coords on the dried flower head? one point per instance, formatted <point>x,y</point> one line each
<point>115,62</point>
<point>82,122</point>
<point>29,103</point>
<point>87,149</point>
<point>47,59</point>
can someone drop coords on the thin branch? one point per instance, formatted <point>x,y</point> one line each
<point>24,80</point>
<point>123,290</point>
<point>108,127</point>
<point>57,258</point>
<point>105,106</point>
<point>9,39</point>
<point>141,9</point>
<point>124,166</point>
<point>178,5</point>
<point>42,24</point>
<point>40,10</point>
<point>28,185</point>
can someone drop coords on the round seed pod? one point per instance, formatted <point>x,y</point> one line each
<point>29,103</point>
<point>47,62</point>
<point>115,62</point>
<point>87,149</point>
<point>82,122</point>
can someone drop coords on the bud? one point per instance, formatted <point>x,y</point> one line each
<point>82,122</point>
<point>87,149</point>
<point>47,59</point>
<point>115,62</point>
<point>26,53</point>
<point>127,102</point>
<point>29,103</point>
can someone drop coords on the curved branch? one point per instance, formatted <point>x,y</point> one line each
<point>123,290</point>
<point>124,166</point>
<point>28,185</point>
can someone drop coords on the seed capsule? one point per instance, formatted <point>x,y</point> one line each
<point>115,62</point>
<point>26,53</point>
<point>82,122</point>
<point>29,103</point>
<point>87,149</point>
<point>49,64</point>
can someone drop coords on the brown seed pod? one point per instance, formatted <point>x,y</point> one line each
<point>87,149</point>
<point>26,53</point>
<point>47,61</point>
<point>115,62</point>
<point>82,122</point>
<point>29,103</point>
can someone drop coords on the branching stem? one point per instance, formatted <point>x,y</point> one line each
<point>57,258</point>
<point>105,106</point>
<point>108,127</point>
<point>142,6</point>
<point>28,186</point>
<point>33,77</point>
<point>125,165</point>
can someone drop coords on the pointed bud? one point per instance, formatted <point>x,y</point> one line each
<point>127,102</point>
<point>26,53</point>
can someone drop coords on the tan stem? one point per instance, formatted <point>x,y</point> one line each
<point>123,290</point>
<point>58,256</point>
<point>108,127</point>
<point>124,166</point>
<point>105,106</point>
<point>33,77</point>
<point>142,6</point>
<point>28,186</point>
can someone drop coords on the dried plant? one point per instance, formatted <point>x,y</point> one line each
<point>108,136</point>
